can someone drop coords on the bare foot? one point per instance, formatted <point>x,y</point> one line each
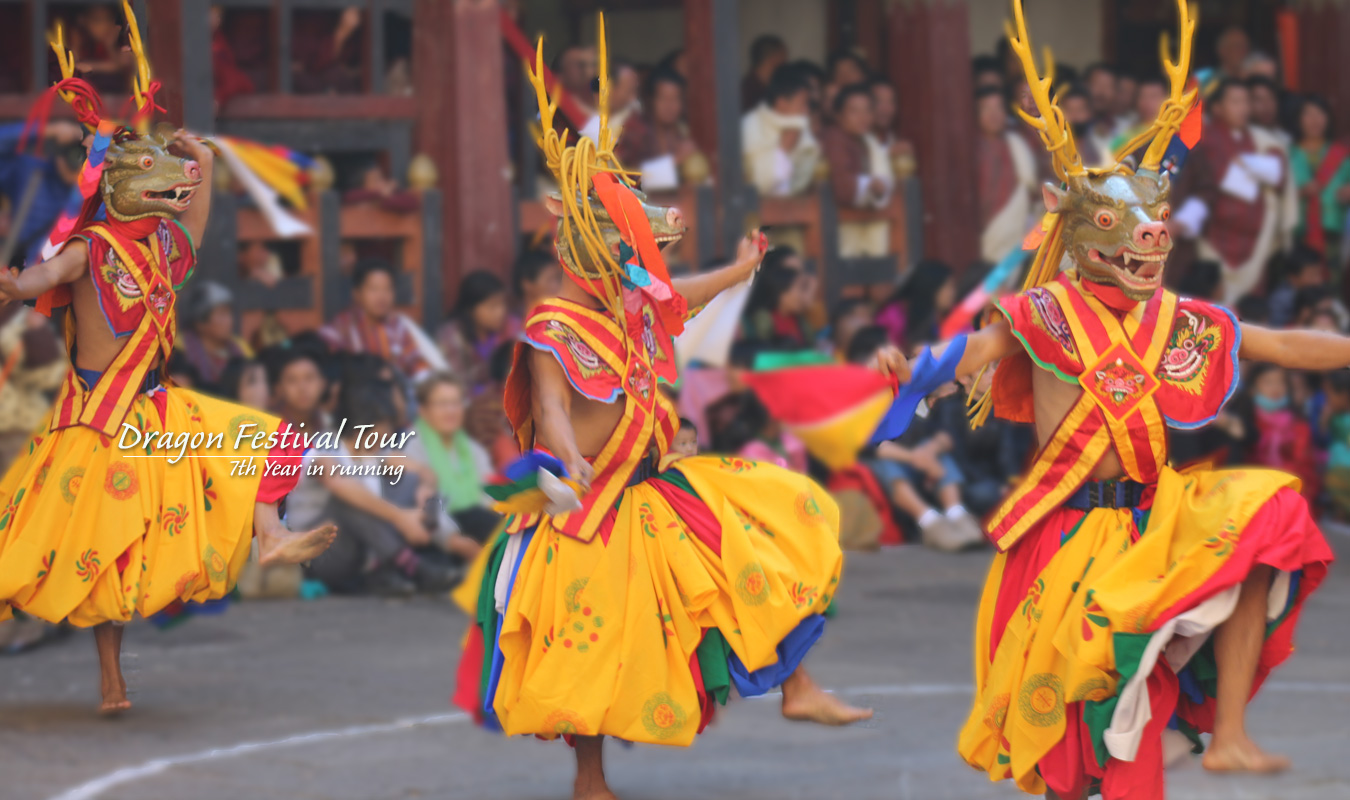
<point>1240,754</point>
<point>280,545</point>
<point>813,704</point>
<point>114,698</point>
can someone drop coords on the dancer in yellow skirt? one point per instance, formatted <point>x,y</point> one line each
<point>630,592</point>
<point>1127,597</point>
<point>134,495</point>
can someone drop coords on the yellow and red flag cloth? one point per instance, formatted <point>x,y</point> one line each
<point>833,408</point>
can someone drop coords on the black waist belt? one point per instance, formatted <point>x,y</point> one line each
<point>646,468</point>
<point>1107,494</point>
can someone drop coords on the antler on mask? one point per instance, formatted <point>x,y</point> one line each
<point>1178,104</point>
<point>1051,124</point>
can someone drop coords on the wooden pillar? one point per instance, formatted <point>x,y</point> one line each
<point>928,49</point>
<point>178,42</point>
<point>712,51</point>
<point>458,73</point>
<point>1324,58</point>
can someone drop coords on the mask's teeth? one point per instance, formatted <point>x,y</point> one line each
<point>1127,258</point>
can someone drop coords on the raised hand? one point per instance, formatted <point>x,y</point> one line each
<point>891,362</point>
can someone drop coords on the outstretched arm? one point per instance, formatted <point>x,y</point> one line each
<point>194,219</point>
<point>1295,349</point>
<point>65,267</point>
<point>699,290</point>
<point>985,346</point>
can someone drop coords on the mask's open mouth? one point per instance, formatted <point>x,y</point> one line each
<point>1136,270</point>
<point>664,240</point>
<point>176,197</point>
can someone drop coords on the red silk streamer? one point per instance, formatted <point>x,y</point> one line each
<point>85,101</point>
<point>631,220</point>
<point>139,113</point>
<point>520,45</point>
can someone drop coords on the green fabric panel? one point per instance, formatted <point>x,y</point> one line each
<point>676,478</point>
<point>713,653</point>
<point>501,491</point>
<point>1097,714</point>
<point>765,362</point>
<point>487,612</point>
<point>1189,731</point>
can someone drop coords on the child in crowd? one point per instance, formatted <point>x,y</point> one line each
<point>536,277</point>
<point>686,439</point>
<point>1336,421</point>
<point>776,314</point>
<point>849,316</point>
<point>1284,438</point>
<point>245,380</point>
<point>1291,273</point>
<point>912,314</point>
<point>477,325</point>
<point>918,471</point>
<point>752,433</point>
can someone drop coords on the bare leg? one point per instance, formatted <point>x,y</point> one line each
<point>590,783</point>
<point>804,701</point>
<point>950,495</point>
<point>1237,649</point>
<point>108,640</point>
<point>277,544</point>
<point>908,500</point>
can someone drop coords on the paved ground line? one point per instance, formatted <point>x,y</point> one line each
<point>96,787</point>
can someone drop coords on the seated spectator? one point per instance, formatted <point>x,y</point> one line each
<point>34,359</point>
<point>657,141</point>
<point>1320,167</point>
<point>1007,179</point>
<point>918,472</point>
<point>1284,438</point>
<point>228,78</point>
<point>1304,268</point>
<point>245,380</point>
<point>101,57</point>
<point>536,277</point>
<point>845,68</point>
<point>1077,107</point>
<point>327,51</point>
<point>477,325</point>
<point>625,86</point>
<point>299,387</point>
<point>461,466</point>
<point>206,333</point>
<point>860,172</point>
<point>750,432</point>
<point>387,541</point>
<point>258,263</point>
<point>376,187</point>
<point>1336,421</point>
<point>849,316</point>
<point>780,152</point>
<point>372,325</point>
<point>991,457</point>
<point>912,314</point>
<point>767,54</point>
<point>1101,81</point>
<point>57,167</point>
<point>685,442</point>
<point>775,314</point>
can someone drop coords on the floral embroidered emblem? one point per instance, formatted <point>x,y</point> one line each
<point>1041,700</point>
<point>663,717</point>
<point>236,425</point>
<point>1119,382</point>
<point>70,483</point>
<point>168,244</point>
<point>752,585</point>
<point>186,585</point>
<point>655,352</point>
<point>216,567</point>
<point>587,361</point>
<point>87,565</point>
<point>174,519</point>
<point>1092,689</point>
<point>1185,362</point>
<point>997,713</point>
<point>47,562</point>
<point>803,595</point>
<point>1223,543</point>
<point>1049,317</point>
<point>572,594</point>
<point>808,509</point>
<point>121,481</point>
<point>566,723</point>
<point>11,508</point>
<point>208,493</point>
<point>1029,609</point>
